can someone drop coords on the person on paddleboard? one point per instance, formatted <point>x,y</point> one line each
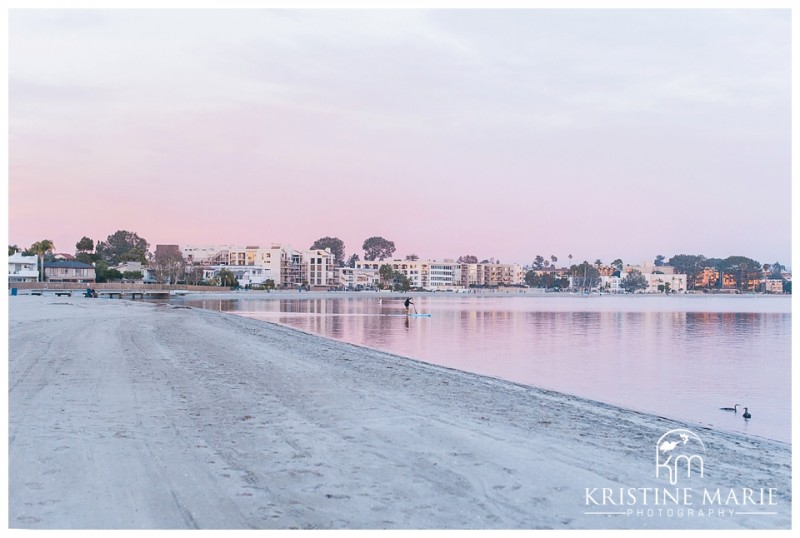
<point>407,303</point>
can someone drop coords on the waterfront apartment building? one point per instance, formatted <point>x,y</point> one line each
<point>427,274</point>
<point>317,267</point>
<point>254,265</point>
<point>448,275</point>
<point>207,254</point>
<point>503,274</point>
<point>472,274</point>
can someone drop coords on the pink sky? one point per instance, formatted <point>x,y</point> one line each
<point>501,134</point>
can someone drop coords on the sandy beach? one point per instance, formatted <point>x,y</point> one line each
<point>131,415</point>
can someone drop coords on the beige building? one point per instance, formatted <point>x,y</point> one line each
<point>503,274</point>
<point>773,285</point>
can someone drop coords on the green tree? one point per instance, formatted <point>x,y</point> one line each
<point>40,248</point>
<point>84,245</point>
<point>742,269</point>
<point>122,246</point>
<point>351,261</point>
<point>227,278</point>
<point>531,279</point>
<point>100,270</point>
<point>386,273</point>
<point>13,249</point>
<point>538,261</point>
<point>113,274</point>
<point>412,258</point>
<point>777,270</point>
<point>586,276</point>
<point>400,281</point>
<point>633,281</point>
<point>617,264</point>
<point>553,260</point>
<point>469,258</point>
<point>335,244</point>
<point>132,275</point>
<point>659,261</point>
<point>690,265</point>
<point>378,248</point>
<point>84,251</point>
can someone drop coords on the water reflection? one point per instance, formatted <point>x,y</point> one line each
<point>676,358</point>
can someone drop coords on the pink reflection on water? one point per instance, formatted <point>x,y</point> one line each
<point>680,357</point>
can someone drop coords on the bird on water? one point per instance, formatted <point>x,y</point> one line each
<point>746,413</point>
<point>730,408</point>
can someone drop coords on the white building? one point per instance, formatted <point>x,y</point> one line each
<point>23,268</point>
<point>666,282</point>
<point>357,279</point>
<point>611,284</point>
<point>317,267</point>
<point>255,265</point>
<point>207,254</point>
<point>246,275</point>
<point>436,275</point>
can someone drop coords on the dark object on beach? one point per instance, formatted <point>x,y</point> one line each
<point>730,408</point>
<point>746,413</point>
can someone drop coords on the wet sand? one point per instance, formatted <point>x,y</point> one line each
<point>130,415</point>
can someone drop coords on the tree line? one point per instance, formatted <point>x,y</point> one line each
<point>743,270</point>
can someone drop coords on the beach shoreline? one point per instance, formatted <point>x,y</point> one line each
<point>139,415</point>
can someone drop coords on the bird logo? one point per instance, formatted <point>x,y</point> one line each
<point>679,449</point>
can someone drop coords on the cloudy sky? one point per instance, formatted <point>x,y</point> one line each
<point>498,133</point>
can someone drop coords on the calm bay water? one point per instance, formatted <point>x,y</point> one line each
<point>678,357</point>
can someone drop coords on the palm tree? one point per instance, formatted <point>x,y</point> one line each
<point>570,266</point>
<point>41,248</point>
